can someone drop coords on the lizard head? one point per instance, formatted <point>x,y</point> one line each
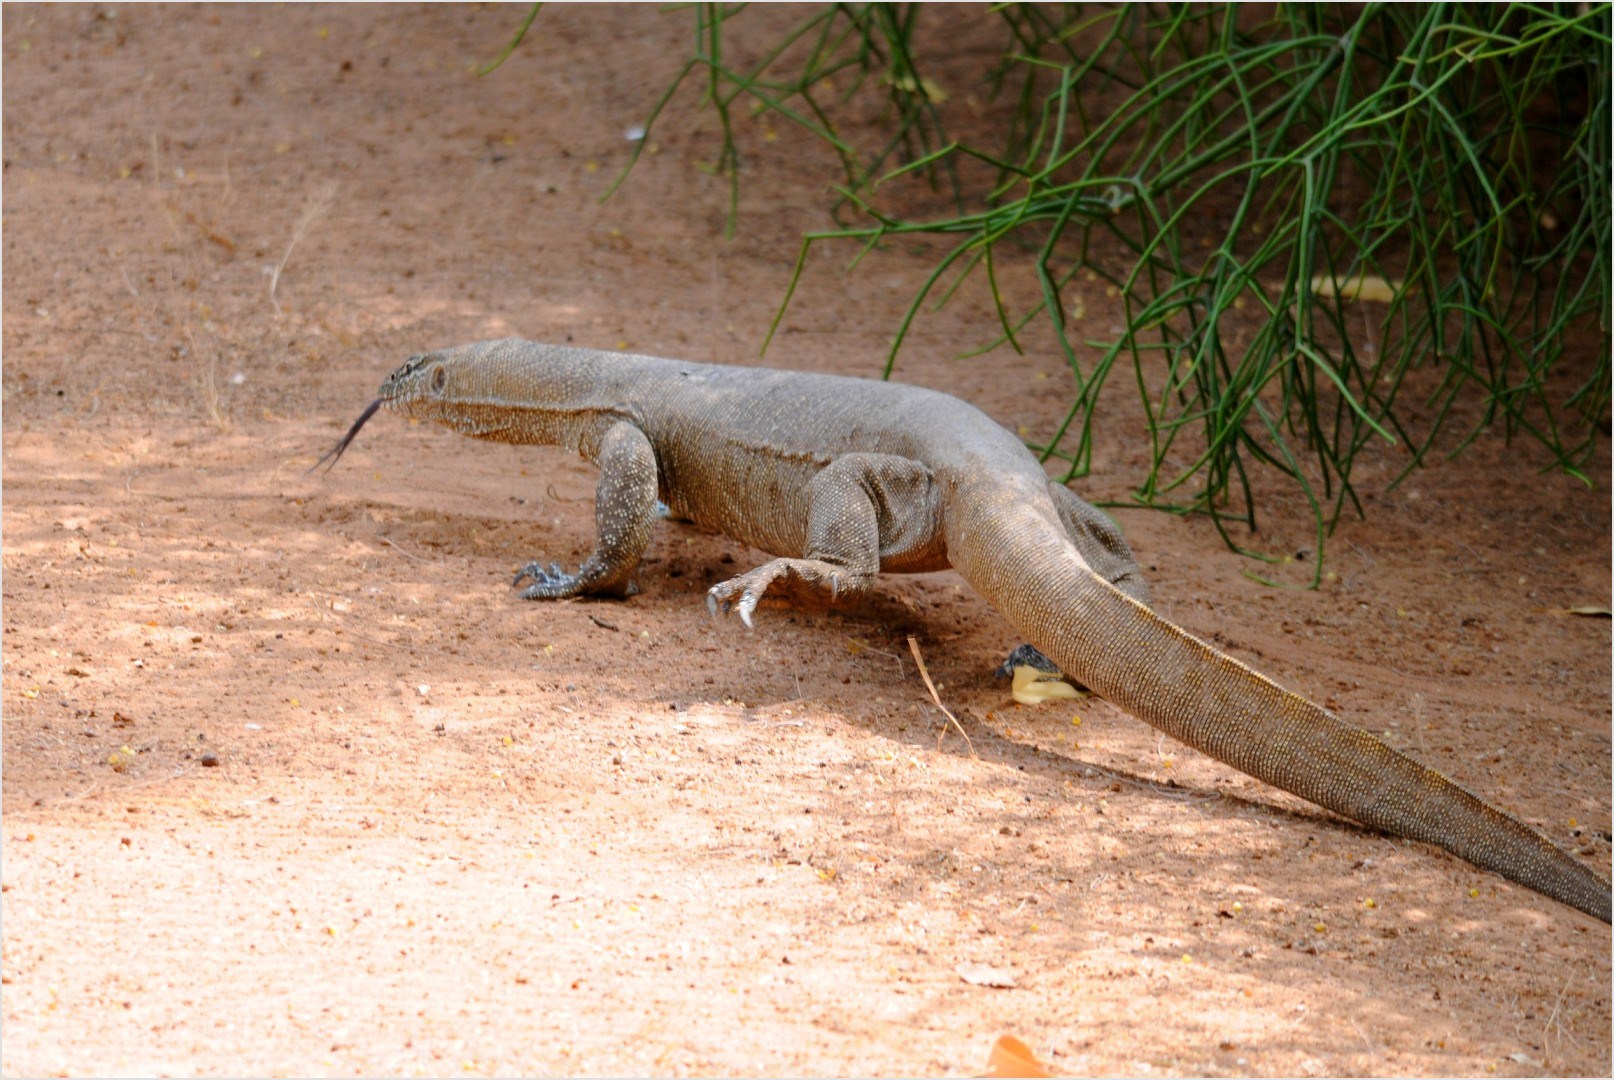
<point>469,388</point>
<point>462,387</point>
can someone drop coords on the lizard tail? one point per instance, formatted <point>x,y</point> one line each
<point>1175,682</point>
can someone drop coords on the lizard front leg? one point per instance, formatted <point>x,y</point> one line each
<point>863,511</point>
<point>624,512</point>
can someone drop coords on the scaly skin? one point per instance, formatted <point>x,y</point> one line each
<point>844,478</point>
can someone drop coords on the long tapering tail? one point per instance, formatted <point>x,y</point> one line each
<point>1175,682</point>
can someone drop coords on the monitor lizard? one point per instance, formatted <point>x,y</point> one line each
<point>842,478</point>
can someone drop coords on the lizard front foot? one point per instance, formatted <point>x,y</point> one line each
<point>548,582</point>
<point>802,578</point>
<point>552,583</point>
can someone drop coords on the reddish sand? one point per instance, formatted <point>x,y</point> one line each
<point>294,784</point>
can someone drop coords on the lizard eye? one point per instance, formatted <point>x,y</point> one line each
<point>439,380</point>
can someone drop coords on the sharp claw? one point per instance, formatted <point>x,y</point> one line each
<point>834,587</point>
<point>711,603</point>
<point>748,604</point>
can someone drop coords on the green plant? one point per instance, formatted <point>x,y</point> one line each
<point>1239,177</point>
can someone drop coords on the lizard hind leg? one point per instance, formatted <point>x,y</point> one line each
<point>863,511</point>
<point>1100,543</point>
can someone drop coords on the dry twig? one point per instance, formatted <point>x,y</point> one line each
<point>913,647</point>
<point>317,206</point>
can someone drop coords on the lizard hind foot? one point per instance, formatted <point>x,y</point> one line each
<point>1026,656</point>
<point>811,580</point>
<point>746,605</point>
<point>1037,678</point>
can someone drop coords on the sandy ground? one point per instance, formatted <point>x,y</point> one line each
<point>293,783</point>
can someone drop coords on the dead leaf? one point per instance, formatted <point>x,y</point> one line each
<point>1033,687</point>
<point>986,975</point>
<point>1360,287</point>
<point>922,87</point>
<point>1011,1057</point>
<point>1590,611</point>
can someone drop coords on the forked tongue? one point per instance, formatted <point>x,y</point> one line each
<point>334,454</point>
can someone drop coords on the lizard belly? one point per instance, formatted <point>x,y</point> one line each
<point>757,501</point>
